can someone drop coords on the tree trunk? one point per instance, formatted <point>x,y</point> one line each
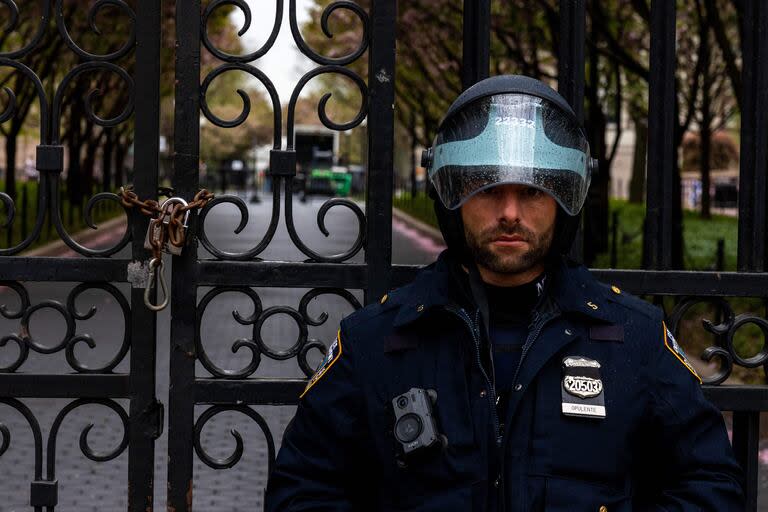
<point>706,128</point>
<point>106,165</point>
<point>10,168</point>
<point>120,150</point>
<point>706,144</point>
<point>678,234</point>
<point>413,157</point>
<point>88,164</point>
<point>639,162</point>
<point>74,172</point>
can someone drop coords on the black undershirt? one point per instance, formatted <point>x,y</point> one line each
<point>510,311</point>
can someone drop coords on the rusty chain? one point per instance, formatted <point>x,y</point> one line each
<point>175,233</point>
<point>162,231</point>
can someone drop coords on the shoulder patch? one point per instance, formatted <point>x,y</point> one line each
<point>671,343</point>
<point>333,354</point>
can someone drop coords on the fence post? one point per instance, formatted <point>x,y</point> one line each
<point>720,257</point>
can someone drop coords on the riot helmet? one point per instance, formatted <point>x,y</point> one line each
<point>509,129</point>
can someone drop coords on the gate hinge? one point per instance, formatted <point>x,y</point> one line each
<point>156,416</point>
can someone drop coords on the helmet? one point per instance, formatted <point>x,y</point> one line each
<point>509,129</point>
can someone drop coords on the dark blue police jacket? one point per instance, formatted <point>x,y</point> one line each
<point>660,445</point>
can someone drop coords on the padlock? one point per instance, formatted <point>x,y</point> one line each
<point>158,228</point>
<point>155,229</point>
<point>167,208</point>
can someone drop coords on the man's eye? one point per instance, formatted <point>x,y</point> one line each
<point>533,192</point>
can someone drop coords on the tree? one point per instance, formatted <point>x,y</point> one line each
<point>52,60</point>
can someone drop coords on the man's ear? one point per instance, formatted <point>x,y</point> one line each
<point>432,191</point>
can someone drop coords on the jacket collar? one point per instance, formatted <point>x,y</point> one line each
<point>573,289</point>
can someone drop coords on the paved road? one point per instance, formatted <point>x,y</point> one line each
<point>85,485</point>
<point>88,486</point>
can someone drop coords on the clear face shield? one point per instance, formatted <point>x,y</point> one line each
<point>511,139</point>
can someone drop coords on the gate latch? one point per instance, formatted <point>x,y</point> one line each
<point>156,416</point>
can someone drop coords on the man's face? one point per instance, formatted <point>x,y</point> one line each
<point>509,228</point>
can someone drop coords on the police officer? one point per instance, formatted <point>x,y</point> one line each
<point>505,377</point>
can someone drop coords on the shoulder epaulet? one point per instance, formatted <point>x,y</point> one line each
<point>632,302</point>
<point>385,303</point>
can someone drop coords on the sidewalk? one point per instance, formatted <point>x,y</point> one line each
<point>107,233</point>
<point>424,237</point>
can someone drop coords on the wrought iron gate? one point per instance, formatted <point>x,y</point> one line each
<point>334,274</point>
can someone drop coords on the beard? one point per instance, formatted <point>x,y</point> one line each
<point>509,262</point>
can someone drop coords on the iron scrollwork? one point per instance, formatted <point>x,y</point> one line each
<point>50,151</point>
<point>233,459</point>
<point>325,16</point>
<point>13,21</point>
<point>85,448</point>
<point>724,332</point>
<point>277,123</point>
<point>320,320</point>
<point>284,169</point>
<point>256,344</point>
<point>70,339</point>
<point>34,426</point>
<point>245,8</point>
<point>93,12</point>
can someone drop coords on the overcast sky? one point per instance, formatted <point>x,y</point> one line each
<point>283,64</point>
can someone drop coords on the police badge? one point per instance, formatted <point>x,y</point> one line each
<point>582,388</point>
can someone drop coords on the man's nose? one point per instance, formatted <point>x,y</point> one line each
<point>509,205</point>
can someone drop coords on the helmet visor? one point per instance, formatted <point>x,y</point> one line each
<point>511,139</point>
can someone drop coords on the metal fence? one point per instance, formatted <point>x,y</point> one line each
<point>241,272</point>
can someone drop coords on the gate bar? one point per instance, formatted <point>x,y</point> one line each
<point>23,268</point>
<point>657,242</point>
<point>754,136</point>
<point>737,397</point>
<point>181,405</point>
<point>746,445</point>
<point>381,129</point>
<point>22,385</point>
<point>651,282</point>
<point>282,274</point>
<point>141,447</point>
<point>258,391</point>
<point>570,77</point>
<point>570,73</point>
<point>475,63</point>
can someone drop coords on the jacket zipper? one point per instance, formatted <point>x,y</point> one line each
<point>491,388</point>
<point>537,324</point>
<point>536,327</point>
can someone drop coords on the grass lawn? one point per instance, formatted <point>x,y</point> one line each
<point>104,210</point>
<point>701,237</point>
